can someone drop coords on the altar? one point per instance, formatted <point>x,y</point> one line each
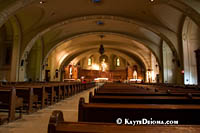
<point>101,79</point>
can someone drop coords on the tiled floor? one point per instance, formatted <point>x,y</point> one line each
<point>38,122</point>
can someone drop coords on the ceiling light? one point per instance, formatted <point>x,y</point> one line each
<point>42,2</point>
<point>100,22</point>
<point>151,0</point>
<point>96,1</point>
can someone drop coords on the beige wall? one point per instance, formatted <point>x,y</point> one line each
<point>154,68</point>
<point>191,42</point>
<point>34,63</point>
<point>169,73</point>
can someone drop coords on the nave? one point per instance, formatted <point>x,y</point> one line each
<point>38,121</point>
<point>50,50</point>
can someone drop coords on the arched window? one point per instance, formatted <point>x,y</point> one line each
<point>118,62</point>
<point>89,61</point>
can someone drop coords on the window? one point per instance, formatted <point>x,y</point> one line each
<point>89,61</point>
<point>118,62</point>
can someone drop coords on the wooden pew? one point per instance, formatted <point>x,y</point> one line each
<point>166,87</point>
<point>144,89</point>
<point>47,93</point>
<point>118,90</point>
<point>150,88</point>
<point>39,91</point>
<point>107,112</point>
<point>144,99</point>
<point>63,91</point>
<point>9,102</point>
<point>55,91</point>
<point>59,92</point>
<point>30,100</point>
<point>144,93</point>
<point>158,86</point>
<point>58,125</point>
<point>51,93</point>
<point>42,94</point>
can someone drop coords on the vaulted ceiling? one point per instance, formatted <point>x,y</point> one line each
<point>130,26</point>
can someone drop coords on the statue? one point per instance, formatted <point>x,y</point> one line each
<point>134,74</point>
<point>103,64</point>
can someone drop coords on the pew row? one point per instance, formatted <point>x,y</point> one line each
<point>108,112</point>
<point>144,99</point>
<point>58,125</point>
<point>144,93</point>
<point>30,100</point>
<point>48,93</point>
<point>29,97</point>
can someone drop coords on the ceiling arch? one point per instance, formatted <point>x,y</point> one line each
<point>190,8</point>
<point>132,41</point>
<point>73,53</point>
<point>9,7</point>
<point>135,12</point>
<point>156,30</point>
<point>72,47</point>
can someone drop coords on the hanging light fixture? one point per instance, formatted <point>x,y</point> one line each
<point>101,48</point>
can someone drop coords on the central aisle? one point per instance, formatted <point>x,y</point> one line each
<point>38,121</point>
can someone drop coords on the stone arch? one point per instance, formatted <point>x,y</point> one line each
<point>12,40</point>
<point>190,38</point>
<point>90,33</point>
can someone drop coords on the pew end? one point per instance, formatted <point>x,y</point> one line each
<point>95,91</point>
<point>156,90</point>
<point>10,103</point>
<point>168,92</point>
<point>189,95</point>
<point>90,97</point>
<point>55,118</point>
<point>80,109</point>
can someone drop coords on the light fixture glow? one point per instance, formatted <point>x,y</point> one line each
<point>42,2</point>
<point>95,67</point>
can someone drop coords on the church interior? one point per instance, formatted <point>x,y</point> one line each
<point>99,66</point>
